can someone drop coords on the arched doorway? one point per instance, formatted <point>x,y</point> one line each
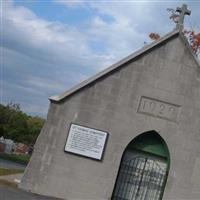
<point>143,170</point>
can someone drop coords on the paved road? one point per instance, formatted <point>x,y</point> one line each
<point>11,165</point>
<point>10,193</point>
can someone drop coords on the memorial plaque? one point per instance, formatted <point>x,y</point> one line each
<point>86,141</point>
<point>157,108</point>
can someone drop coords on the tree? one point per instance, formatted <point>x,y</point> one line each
<point>192,37</point>
<point>194,40</point>
<point>35,125</point>
<point>154,36</point>
<point>16,125</point>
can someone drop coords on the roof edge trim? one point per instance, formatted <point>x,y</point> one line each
<point>143,50</point>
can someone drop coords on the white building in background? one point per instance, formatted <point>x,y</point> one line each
<point>9,144</point>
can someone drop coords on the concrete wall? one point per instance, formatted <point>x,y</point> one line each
<point>168,73</point>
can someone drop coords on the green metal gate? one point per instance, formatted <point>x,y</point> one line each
<point>141,177</point>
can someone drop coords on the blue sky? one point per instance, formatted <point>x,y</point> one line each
<point>49,46</point>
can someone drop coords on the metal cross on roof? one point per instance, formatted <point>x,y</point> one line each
<point>183,11</point>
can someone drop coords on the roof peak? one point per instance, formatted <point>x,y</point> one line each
<point>132,56</point>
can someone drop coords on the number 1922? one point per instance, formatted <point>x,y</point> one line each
<point>158,108</point>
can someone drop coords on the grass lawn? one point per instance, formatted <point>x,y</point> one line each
<point>22,159</point>
<point>4,172</point>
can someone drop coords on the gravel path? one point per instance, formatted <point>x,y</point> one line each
<point>11,193</point>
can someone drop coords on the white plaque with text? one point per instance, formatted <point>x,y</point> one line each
<point>86,141</point>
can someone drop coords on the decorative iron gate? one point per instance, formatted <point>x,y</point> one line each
<point>140,178</point>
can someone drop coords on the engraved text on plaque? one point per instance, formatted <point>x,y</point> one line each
<point>86,141</point>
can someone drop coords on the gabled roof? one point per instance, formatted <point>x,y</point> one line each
<point>113,67</point>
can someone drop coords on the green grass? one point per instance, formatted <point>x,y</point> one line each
<point>22,159</point>
<point>4,172</point>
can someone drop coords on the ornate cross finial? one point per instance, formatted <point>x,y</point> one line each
<point>183,11</point>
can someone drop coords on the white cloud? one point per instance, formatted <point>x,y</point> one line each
<point>45,84</point>
<point>51,56</point>
<point>71,3</point>
<point>35,109</point>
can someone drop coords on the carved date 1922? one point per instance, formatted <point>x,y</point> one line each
<point>158,108</point>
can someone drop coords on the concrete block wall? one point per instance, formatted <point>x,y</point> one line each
<point>167,73</point>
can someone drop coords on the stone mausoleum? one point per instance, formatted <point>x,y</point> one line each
<point>129,133</point>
